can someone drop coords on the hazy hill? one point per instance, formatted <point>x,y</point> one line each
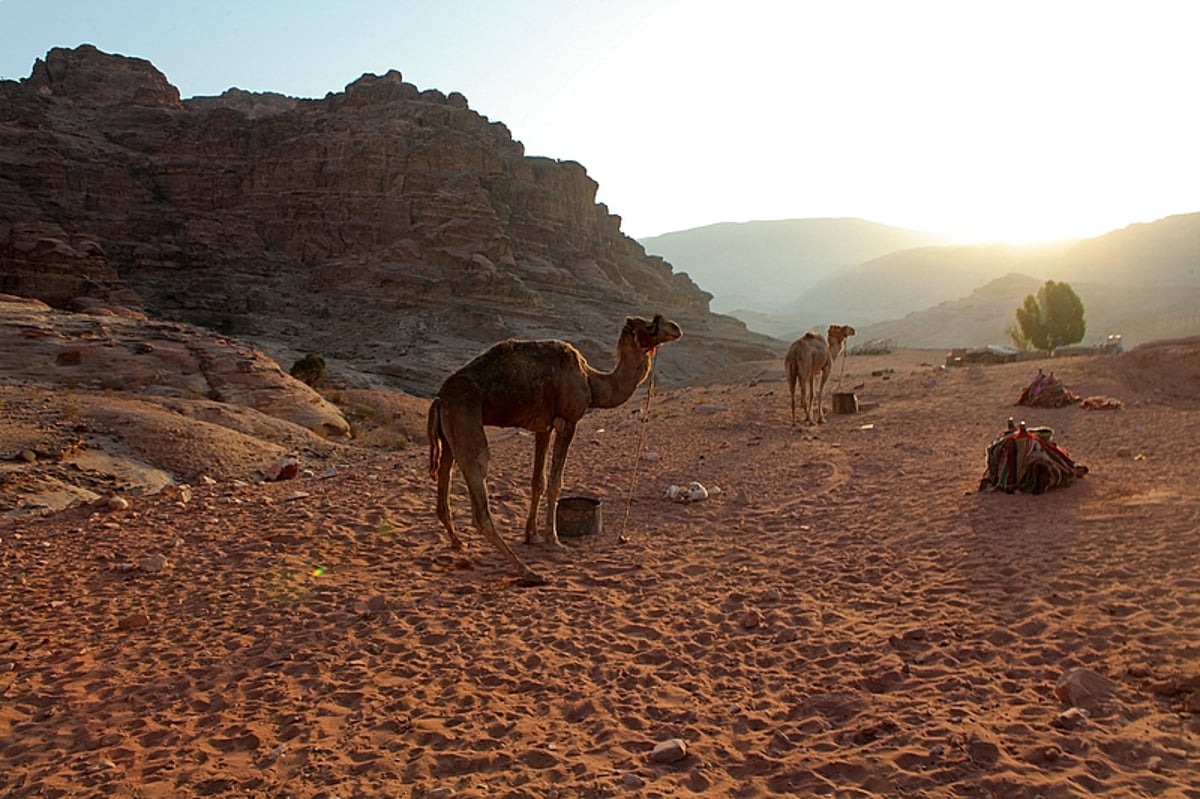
<point>1138,280</point>
<point>901,282</point>
<point>1142,281</point>
<point>1138,313</point>
<point>755,265</point>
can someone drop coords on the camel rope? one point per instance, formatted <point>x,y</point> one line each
<point>637,455</point>
<point>843,372</point>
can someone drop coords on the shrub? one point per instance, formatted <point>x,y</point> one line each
<point>309,370</point>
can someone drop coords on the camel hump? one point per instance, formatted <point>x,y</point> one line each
<point>810,335</point>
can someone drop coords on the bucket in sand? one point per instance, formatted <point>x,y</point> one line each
<point>845,402</point>
<point>578,516</point>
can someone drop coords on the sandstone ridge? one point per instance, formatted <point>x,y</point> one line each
<point>392,230</point>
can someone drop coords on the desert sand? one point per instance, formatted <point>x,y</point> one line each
<point>845,615</point>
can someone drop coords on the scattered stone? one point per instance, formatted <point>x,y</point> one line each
<point>134,621</point>
<point>650,457</point>
<point>632,782</point>
<point>669,751</point>
<point>153,564</point>
<point>711,408</point>
<point>983,753</point>
<point>28,455</point>
<point>1141,670</point>
<point>1073,718</point>
<point>114,503</point>
<point>751,619</point>
<point>286,468</point>
<point>692,492</point>
<point>180,493</point>
<point>1083,688</point>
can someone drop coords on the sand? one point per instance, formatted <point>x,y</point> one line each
<point>845,615</point>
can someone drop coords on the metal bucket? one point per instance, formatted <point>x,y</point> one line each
<point>845,402</point>
<point>578,516</point>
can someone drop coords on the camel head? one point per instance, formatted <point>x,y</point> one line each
<point>838,334</point>
<point>649,334</point>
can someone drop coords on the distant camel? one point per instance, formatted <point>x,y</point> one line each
<point>808,355</point>
<point>543,386</point>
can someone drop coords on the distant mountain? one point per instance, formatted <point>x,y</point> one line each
<point>1137,280</point>
<point>1138,313</point>
<point>1162,253</point>
<point>758,265</point>
<point>1142,281</point>
<point>900,282</point>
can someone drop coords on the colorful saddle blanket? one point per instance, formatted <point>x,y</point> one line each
<point>1028,461</point>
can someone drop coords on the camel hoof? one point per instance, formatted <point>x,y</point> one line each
<point>531,579</point>
<point>554,545</point>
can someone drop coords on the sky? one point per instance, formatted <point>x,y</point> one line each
<point>980,121</point>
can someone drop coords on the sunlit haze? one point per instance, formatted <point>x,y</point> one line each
<point>1014,121</point>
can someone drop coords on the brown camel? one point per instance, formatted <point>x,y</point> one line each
<point>808,355</point>
<point>543,386</point>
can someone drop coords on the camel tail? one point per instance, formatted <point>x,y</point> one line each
<point>434,431</point>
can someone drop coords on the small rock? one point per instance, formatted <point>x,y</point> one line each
<point>632,782</point>
<point>153,564</point>
<point>114,504</point>
<point>134,621</point>
<point>28,455</point>
<point>1072,718</point>
<point>1082,688</point>
<point>180,493</point>
<point>650,457</point>
<point>670,751</point>
<point>286,468</point>
<point>751,619</point>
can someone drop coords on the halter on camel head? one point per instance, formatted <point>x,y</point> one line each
<point>647,334</point>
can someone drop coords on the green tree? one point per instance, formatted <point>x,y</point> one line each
<point>1052,319</point>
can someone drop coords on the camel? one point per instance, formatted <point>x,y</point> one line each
<point>808,355</point>
<point>544,386</point>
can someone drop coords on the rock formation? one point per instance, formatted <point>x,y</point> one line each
<point>395,231</point>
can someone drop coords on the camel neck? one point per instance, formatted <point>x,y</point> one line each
<point>610,389</point>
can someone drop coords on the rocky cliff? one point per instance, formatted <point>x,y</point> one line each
<point>394,231</point>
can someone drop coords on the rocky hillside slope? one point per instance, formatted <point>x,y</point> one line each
<point>394,231</point>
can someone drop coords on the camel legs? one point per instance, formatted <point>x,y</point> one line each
<point>464,433</point>
<point>565,432</point>
<point>792,390</point>
<point>821,396</point>
<point>444,472</point>
<point>806,396</point>
<point>537,485</point>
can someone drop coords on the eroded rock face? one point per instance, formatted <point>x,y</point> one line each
<point>395,231</point>
<point>112,349</point>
